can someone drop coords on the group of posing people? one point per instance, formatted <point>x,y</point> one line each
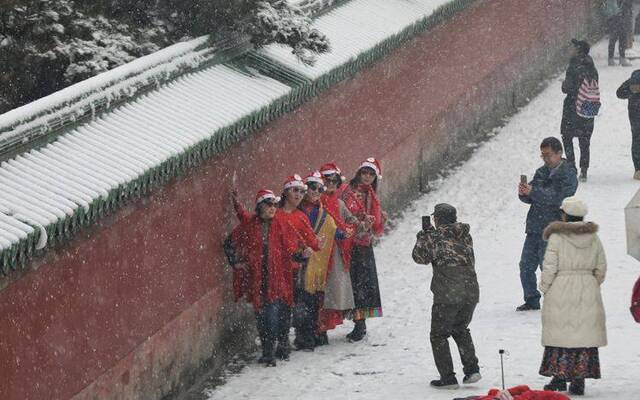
<point>573,264</point>
<point>306,258</point>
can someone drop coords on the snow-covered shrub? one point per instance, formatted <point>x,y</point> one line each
<point>279,22</point>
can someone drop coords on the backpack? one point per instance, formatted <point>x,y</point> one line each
<point>610,8</point>
<point>635,301</point>
<point>588,102</point>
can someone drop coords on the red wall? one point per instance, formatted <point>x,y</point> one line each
<point>129,304</point>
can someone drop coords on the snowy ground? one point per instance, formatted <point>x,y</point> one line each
<point>395,361</point>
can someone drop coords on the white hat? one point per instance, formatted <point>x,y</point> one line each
<point>574,207</point>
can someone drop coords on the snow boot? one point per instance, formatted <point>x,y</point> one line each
<point>625,63</point>
<point>636,176</point>
<point>471,378</point>
<point>556,385</point>
<point>448,383</point>
<point>577,387</point>
<point>322,339</point>
<point>612,62</point>
<point>283,351</point>
<point>359,331</point>
<point>304,344</point>
<point>528,307</point>
<point>583,175</point>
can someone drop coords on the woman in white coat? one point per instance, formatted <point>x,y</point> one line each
<point>573,317</point>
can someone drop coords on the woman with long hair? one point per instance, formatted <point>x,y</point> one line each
<point>573,317</point>
<point>362,201</point>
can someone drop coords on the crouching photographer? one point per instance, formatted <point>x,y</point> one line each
<point>448,247</point>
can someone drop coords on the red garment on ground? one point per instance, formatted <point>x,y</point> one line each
<point>247,238</point>
<point>524,393</point>
<point>363,201</point>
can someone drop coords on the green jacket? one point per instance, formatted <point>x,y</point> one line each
<point>449,248</point>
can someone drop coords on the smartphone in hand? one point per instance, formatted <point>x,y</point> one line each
<point>523,180</point>
<point>426,223</point>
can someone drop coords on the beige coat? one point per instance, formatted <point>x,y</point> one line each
<point>574,268</point>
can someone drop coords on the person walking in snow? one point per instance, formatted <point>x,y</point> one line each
<point>551,184</point>
<point>614,11</point>
<point>449,249</point>
<point>261,249</point>
<point>362,201</point>
<point>573,316</point>
<point>630,90</point>
<point>581,68</point>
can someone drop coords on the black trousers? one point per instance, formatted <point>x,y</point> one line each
<point>617,33</point>
<point>452,320</point>
<point>635,143</point>
<point>273,322</point>
<point>306,318</point>
<point>585,150</point>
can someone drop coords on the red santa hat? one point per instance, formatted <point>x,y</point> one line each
<point>264,195</point>
<point>315,177</point>
<point>330,169</point>
<point>294,181</point>
<point>373,164</point>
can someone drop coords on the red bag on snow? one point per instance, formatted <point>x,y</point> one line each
<point>635,301</point>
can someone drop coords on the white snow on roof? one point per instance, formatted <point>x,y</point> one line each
<point>109,83</point>
<point>44,186</point>
<point>354,28</point>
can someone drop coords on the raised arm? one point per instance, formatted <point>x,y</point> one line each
<point>624,91</point>
<point>552,197</point>
<point>423,249</point>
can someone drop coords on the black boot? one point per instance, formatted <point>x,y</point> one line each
<point>359,331</point>
<point>556,385</point>
<point>322,339</point>
<point>445,383</point>
<point>583,175</point>
<point>577,387</point>
<point>283,350</point>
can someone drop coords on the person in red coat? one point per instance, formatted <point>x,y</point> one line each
<point>264,249</point>
<point>289,215</point>
<point>362,201</point>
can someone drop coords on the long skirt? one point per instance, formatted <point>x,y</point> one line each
<point>569,364</point>
<point>364,280</point>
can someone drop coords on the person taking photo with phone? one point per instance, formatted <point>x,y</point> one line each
<point>448,247</point>
<point>551,184</point>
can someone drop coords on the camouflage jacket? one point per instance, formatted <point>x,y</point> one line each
<point>449,248</point>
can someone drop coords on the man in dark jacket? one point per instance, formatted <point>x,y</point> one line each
<point>551,184</point>
<point>631,90</point>
<point>449,248</point>
<point>573,126</point>
<point>619,26</point>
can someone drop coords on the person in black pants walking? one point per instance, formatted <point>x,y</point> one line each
<point>618,29</point>
<point>581,67</point>
<point>630,90</point>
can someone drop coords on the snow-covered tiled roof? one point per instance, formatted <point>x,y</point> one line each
<point>354,28</point>
<point>66,184</point>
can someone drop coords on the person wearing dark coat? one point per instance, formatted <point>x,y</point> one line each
<point>630,90</point>
<point>573,126</point>
<point>551,184</point>
<point>449,249</point>
<point>618,25</point>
